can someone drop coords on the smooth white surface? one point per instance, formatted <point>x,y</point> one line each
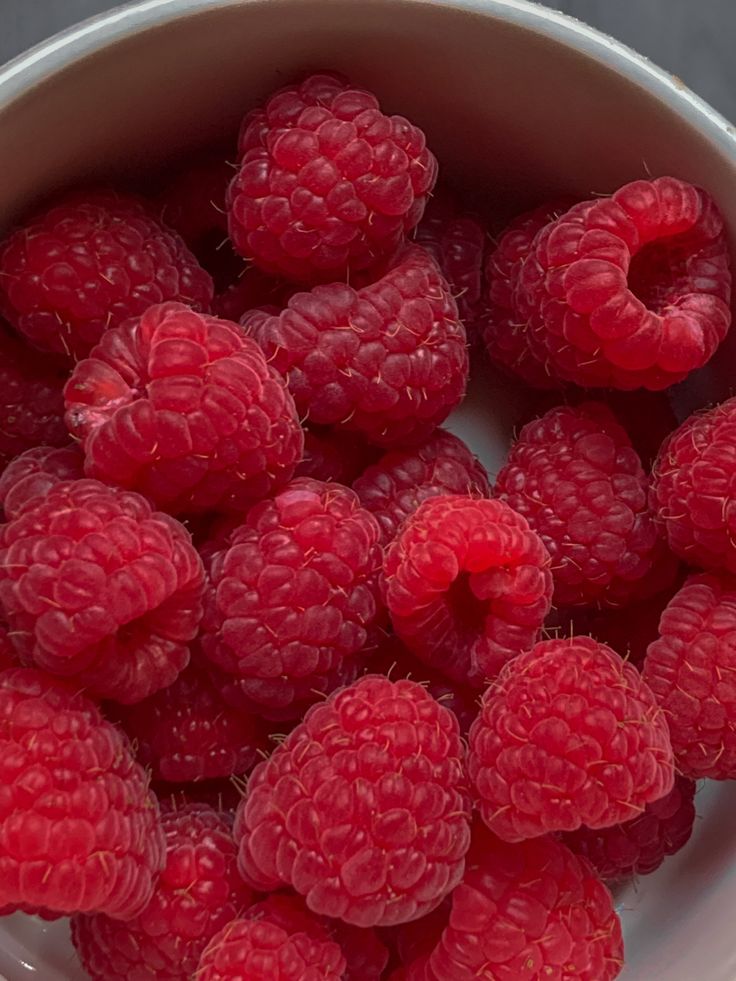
<point>552,106</point>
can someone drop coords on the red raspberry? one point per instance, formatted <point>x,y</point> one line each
<point>292,598</point>
<point>187,732</point>
<point>327,182</point>
<point>89,262</point>
<point>640,846</point>
<point>382,757</point>
<point>335,455</point>
<point>253,289</point>
<point>468,586</point>
<point>79,827</point>
<point>97,586</point>
<point>576,478</point>
<point>197,894</point>
<point>31,401</point>
<point>401,480</point>
<point>183,408</point>
<point>388,360</point>
<point>630,291</point>
<point>692,491</point>
<point>569,734</point>
<point>531,910</point>
<point>35,472</point>
<point>690,670</point>
<point>261,950</point>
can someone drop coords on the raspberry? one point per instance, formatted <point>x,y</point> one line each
<point>197,894</point>
<point>388,360</point>
<point>31,403</point>
<point>640,846</point>
<point>569,734</point>
<point>187,732</point>
<point>334,455</point>
<point>97,586</point>
<point>690,670</point>
<point>401,480</point>
<point>577,480</point>
<point>692,491</point>
<point>362,808</point>
<point>630,291</point>
<point>35,472</point>
<point>531,910</point>
<point>183,408</point>
<point>467,586</point>
<point>292,598</point>
<point>261,950</point>
<point>90,261</point>
<point>79,827</point>
<point>253,289</point>
<point>327,183</point>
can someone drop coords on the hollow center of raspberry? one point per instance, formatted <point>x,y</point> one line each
<point>658,273</point>
<point>467,610</point>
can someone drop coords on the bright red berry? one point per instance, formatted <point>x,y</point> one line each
<point>89,262</point>
<point>98,587</point>
<point>79,828</point>
<point>183,408</point>
<point>388,360</point>
<point>467,585</point>
<point>362,808</point>
<point>568,735</point>
<point>327,182</point>
<point>35,472</point>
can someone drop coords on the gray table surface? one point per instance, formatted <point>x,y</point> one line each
<point>692,38</point>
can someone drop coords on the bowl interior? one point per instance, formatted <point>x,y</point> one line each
<point>519,104</point>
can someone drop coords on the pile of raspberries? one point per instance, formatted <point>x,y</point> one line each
<point>290,689</point>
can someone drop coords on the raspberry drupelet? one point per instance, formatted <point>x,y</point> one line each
<point>467,585</point>
<point>362,809</point>
<point>578,481</point>
<point>691,668</point>
<point>79,827</point>
<point>198,892</point>
<point>327,183</point>
<point>630,291</point>
<point>568,735</point>
<point>639,847</point>
<point>183,408</point>
<point>87,263</point>
<point>33,473</point>
<point>292,597</point>
<point>530,910</point>
<point>98,587</point>
<point>395,486</point>
<point>388,360</point>
<point>693,491</point>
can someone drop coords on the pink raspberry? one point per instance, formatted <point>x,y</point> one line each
<point>35,472</point>
<point>568,735</point>
<point>467,585</point>
<point>530,910</point>
<point>395,486</point>
<point>333,454</point>
<point>291,599</point>
<point>576,478</point>
<point>640,846</point>
<point>187,731</point>
<point>327,183</point>
<point>89,262</point>
<point>80,830</point>
<point>380,756</point>
<point>693,493</point>
<point>690,668</point>
<point>388,360</point>
<point>198,892</point>
<point>31,400</point>
<point>99,588</point>
<point>631,291</point>
<point>183,408</point>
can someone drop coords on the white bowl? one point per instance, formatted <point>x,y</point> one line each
<point>519,103</point>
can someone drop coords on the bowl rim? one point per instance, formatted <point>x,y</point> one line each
<point>29,69</point>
